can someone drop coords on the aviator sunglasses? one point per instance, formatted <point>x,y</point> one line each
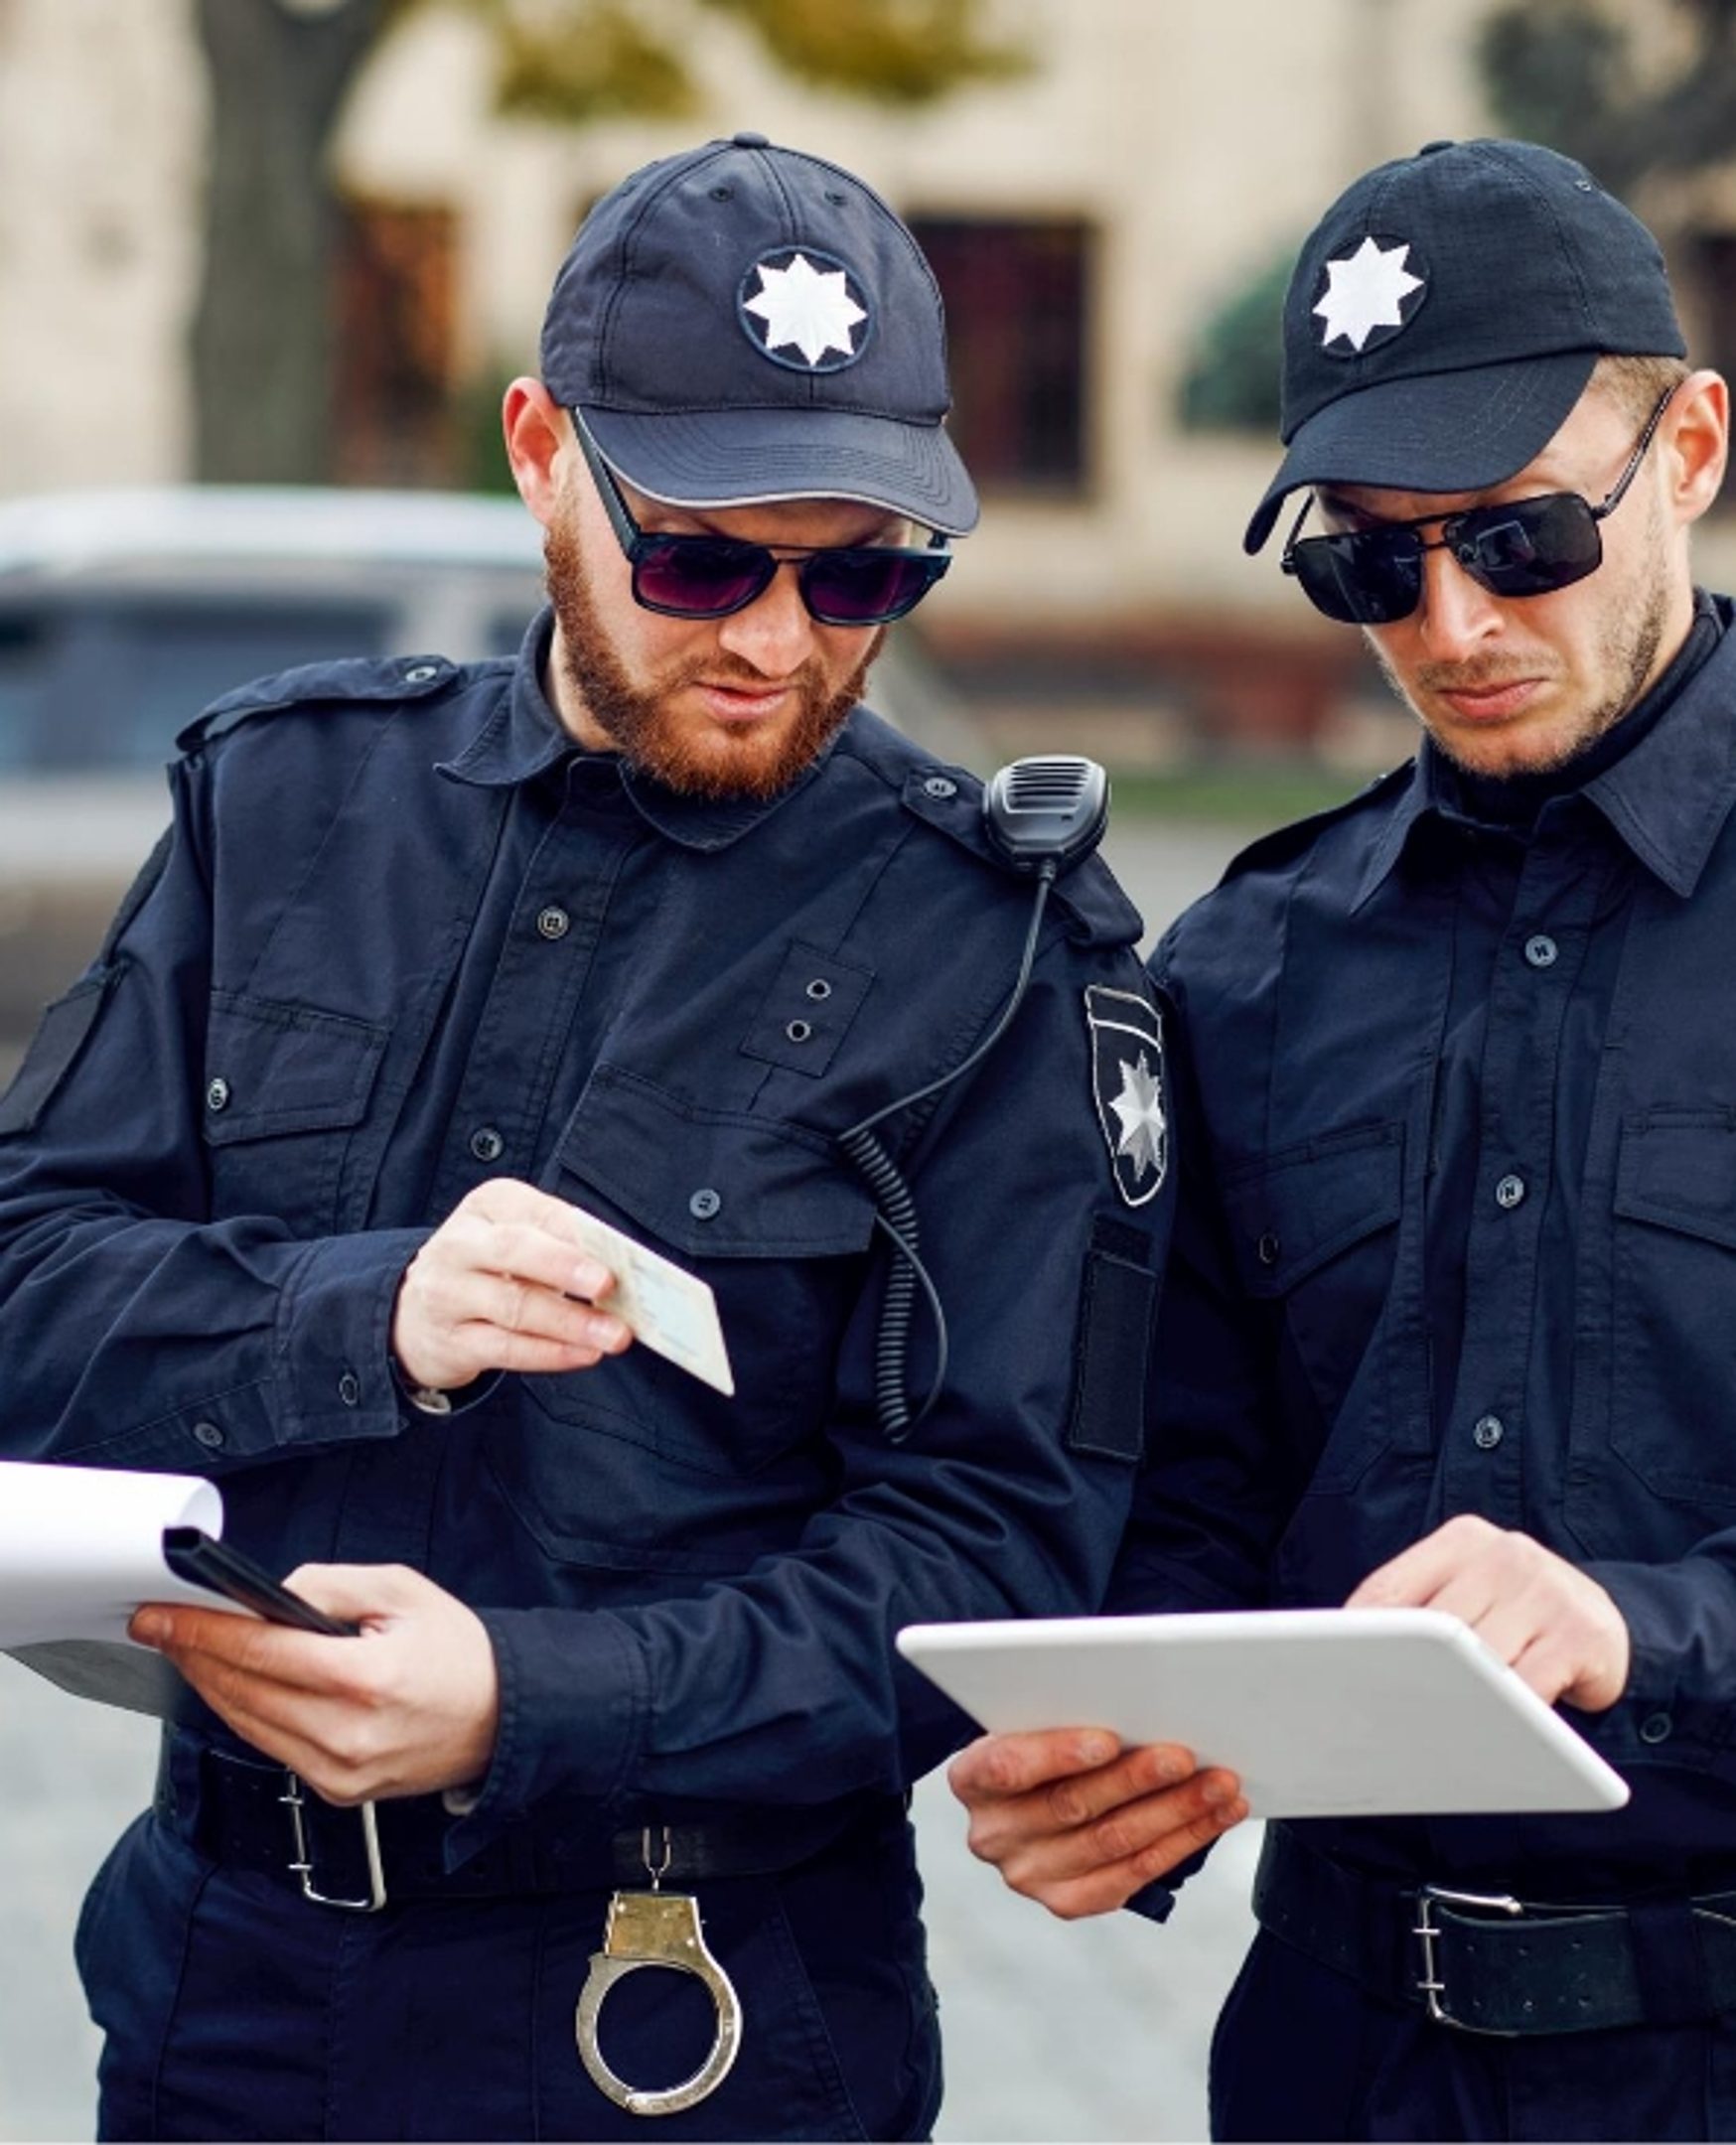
<point>1522,548</point>
<point>708,577</point>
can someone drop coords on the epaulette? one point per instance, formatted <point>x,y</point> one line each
<point>1284,844</point>
<point>352,681</point>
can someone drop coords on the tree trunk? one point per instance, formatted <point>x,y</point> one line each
<point>262,331</point>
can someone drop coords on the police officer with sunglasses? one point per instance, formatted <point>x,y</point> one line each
<point>1451,1317</point>
<point>598,1829</point>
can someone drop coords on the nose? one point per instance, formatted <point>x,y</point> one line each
<point>774,633</point>
<point>1456,615</point>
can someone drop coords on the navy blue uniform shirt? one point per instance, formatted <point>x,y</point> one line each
<point>1458,1234</point>
<point>405,937</point>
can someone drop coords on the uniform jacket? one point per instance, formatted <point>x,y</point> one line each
<point>1458,1234</point>
<point>404,936</point>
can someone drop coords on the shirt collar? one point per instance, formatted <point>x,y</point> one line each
<point>521,737</point>
<point>1667,798</point>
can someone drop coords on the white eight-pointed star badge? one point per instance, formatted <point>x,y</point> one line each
<point>1367,292</point>
<point>805,309</point>
<point>1127,1085</point>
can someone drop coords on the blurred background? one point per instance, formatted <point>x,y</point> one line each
<point>264,269</point>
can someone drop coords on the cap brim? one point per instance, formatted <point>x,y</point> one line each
<point>755,457</point>
<point>1432,432</point>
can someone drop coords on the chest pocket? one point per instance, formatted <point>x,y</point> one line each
<point>1315,1229</point>
<point>1673,1406</point>
<point>779,1230</point>
<point>285,1087</point>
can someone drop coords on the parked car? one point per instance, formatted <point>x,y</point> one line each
<point>123,613</point>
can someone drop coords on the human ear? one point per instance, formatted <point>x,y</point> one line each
<point>1695,443</point>
<point>537,433</point>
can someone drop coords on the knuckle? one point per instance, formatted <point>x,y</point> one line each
<point>1068,1804</point>
<point>1112,1839</point>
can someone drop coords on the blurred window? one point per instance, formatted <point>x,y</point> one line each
<point>106,681</point>
<point>395,420</point>
<point>1714,257</point>
<point>1017,302</point>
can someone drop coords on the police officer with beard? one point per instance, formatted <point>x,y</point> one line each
<point>601,1819</point>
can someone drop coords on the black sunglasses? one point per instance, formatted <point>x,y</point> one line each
<point>1524,547</point>
<point>708,577</point>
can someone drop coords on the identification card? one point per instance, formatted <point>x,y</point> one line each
<point>668,1309</point>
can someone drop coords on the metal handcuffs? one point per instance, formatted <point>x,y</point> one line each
<point>657,1929</point>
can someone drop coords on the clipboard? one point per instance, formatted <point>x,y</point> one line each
<point>1322,1712</point>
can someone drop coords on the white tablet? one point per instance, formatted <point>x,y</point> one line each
<point>1323,1712</point>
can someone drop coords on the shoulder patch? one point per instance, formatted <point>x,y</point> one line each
<point>359,679</point>
<point>1286,842</point>
<point>1129,1088</point>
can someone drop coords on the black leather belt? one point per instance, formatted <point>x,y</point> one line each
<point>248,1814</point>
<point>1489,1964</point>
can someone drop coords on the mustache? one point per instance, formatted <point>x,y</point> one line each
<point>1482,674</point>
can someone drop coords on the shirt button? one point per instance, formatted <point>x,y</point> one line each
<point>1268,1249</point>
<point>939,785</point>
<point>1510,1190</point>
<point>350,1388</point>
<point>1657,1727</point>
<point>553,923</point>
<point>705,1204</point>
<point>1542,950</point>
<point>420,673</point>
<point>1489,1432</point>
<point>217,1094</point>
<point>487,1144</point>
<point>209,1435</point>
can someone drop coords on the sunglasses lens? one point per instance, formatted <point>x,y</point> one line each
<point>696,577</point>
<point>867,586</point>
<point>1368,578</point>
<point>1530,547</point>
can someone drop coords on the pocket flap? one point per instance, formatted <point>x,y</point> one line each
<point>715,1185</point>
<point>1678,1170</point>
<point>272,1067</point>
<point>1310,1201</point>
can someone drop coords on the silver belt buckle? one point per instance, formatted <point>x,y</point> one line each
<point>302,1864</point>
<point>1430,1985</point>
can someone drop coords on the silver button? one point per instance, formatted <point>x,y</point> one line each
<point>217,1094</point>
<point>350,1388</point>
<point>420,673</point>
<point>939,785</point>
<point>799,1031</point>
<point>1542,951</point>
<point>705,1204</point>
<point>1488,1432</point>
<point>819,989</point>
<point>487,1144</point>
<point>209,1435</point>
<point>554,921</point>
<point>1510,1190</point>
<point>1657,1727</point>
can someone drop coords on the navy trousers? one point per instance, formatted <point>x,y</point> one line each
<point>232,2008</point>
<point>1301,2053</point>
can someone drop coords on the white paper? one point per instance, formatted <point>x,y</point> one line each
<point>82,1548</point>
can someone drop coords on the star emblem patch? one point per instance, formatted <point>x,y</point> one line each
<point>1127,1084</point>
<point>1370,295</point>
<point>806,310</point>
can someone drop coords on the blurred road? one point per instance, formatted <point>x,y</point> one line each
<point>1095,2031</point>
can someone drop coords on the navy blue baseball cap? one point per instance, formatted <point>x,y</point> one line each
<point>1445,315</point>
<point>742,324</point>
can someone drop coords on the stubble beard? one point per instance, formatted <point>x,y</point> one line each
<point>1627,648</point>
<point>714,762</point>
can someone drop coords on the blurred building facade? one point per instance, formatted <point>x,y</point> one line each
<point>1087,220</point>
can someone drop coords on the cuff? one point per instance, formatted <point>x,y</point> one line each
<point>574,1702</point>
<point>334,1338</point>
